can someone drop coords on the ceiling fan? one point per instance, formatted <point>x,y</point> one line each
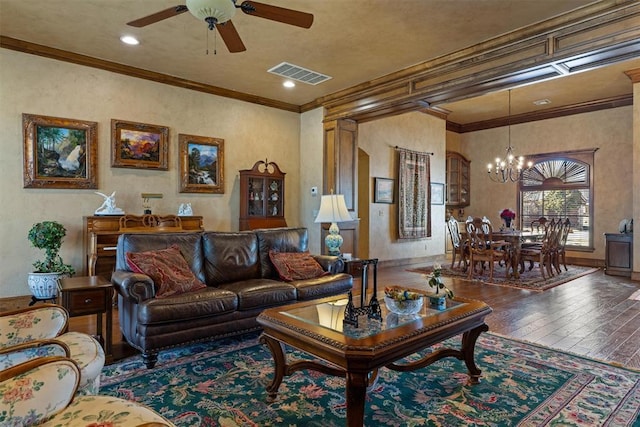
<point>218,14</point>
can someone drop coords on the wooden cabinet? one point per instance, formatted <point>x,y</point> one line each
<point>100,237</point>
<point>458,180</point>
<point>262,196</point>
<point>619,254</point>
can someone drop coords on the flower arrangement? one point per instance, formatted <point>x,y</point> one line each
<point>507,214</point>
<point>435,281</point>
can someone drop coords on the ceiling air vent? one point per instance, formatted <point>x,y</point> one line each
<point>300,74</point>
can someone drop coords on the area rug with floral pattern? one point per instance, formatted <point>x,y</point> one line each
<point>529,279</point>
<point>222,383</point>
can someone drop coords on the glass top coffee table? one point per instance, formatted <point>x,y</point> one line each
<point>316,328</point>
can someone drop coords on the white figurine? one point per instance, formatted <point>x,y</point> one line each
<point>108,207</point>
<point>185,209</point>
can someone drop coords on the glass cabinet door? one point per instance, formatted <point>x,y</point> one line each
<point>274,203</point>
<point>256,197</point>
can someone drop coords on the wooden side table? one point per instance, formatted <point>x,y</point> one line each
<point>86,295</point>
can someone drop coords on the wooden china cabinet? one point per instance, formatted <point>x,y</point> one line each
<point>262,196</point>
<point>458,181</point>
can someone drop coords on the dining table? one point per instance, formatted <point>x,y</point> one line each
<point>516,238</point>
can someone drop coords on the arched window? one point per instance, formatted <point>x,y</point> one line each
<point>560,185</point>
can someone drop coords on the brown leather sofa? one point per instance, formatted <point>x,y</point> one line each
<point>241,282</point>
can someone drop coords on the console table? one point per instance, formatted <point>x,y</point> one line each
<point>100,238</point>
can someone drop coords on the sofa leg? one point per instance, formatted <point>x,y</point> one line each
<point>150,359</point>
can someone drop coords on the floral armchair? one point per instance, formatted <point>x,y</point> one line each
<point>39,331</point>
<point>42,392</point>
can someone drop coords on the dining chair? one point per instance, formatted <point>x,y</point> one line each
<point>562,241</point>
<point>537,230</point>
<point>482,248</point>
<point>460,250</point>
<point>545,252</point>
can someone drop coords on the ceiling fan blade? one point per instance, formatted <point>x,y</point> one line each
<point>158,16</point>
<point>275,13</point>
<point>231,37</point>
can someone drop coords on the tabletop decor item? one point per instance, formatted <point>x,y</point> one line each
<point>507,215</point>
<point>43,281</point>
<point>438,299</point>
<point>401,301</point>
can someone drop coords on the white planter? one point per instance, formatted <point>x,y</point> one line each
<point>44,285</point>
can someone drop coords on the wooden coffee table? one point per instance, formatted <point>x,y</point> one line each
<point>315,327</point>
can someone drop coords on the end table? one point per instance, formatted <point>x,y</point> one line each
<point>86,295</point>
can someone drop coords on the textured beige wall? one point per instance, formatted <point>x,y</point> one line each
<point>609,130</point>
<point>415,131</point>
<point>311,152</point>
<point>31,84</point>
<point>636,181</point>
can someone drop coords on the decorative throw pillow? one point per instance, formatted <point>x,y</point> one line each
<point>296,265</point>
<point>167,268</point>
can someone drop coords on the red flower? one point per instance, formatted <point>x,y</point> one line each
<point>507,214</point>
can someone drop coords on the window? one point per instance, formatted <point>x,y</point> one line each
<point>560,185</point>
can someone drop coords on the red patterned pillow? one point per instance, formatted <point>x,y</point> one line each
<point>167,268</point>
<point>296,265</point>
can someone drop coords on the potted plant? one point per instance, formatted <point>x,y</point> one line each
<point>438,299</point>
<point>43,282</point>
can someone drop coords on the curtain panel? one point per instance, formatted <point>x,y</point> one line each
<point>414,218</point>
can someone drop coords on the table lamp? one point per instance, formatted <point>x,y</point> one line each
<point>333,209</point>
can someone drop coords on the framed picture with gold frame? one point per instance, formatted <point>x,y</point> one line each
<point>59,152</point>
<point>201,164</point>
<point>139,145</point>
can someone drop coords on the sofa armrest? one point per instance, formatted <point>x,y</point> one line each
<point>330,263</point>
<point>134,286</point>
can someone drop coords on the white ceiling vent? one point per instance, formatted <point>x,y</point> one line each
<point>300,74</point>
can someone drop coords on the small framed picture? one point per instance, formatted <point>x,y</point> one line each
<point>139,145</point>
<point>437,193</point>
<point>383,190</point>
<point>59,153</point>
<point>201,164</point>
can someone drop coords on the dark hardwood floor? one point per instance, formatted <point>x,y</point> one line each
<point>590,316</point>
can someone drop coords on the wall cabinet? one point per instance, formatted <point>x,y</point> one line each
<point>619,254</point>
<point>262,196</point>
<point>458,180</point>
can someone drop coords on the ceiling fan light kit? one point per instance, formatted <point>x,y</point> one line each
<point>221,10</point>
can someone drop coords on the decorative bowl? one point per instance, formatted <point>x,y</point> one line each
<point>403,307</point>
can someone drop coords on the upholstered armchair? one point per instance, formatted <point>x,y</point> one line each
<point>42,392</point>
<point>39,331</point>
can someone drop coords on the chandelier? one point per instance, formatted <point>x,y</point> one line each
<point>510,168</point>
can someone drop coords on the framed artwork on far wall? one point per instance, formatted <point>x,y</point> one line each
<point>59,153</point>
<point>139,145</point>
<point>201,164</point>
<point>437,193</point>
<point>383,190</point>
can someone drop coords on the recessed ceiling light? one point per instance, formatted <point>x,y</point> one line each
<point>288,83</point>
<point>542,102</point>
<point>130,40</point>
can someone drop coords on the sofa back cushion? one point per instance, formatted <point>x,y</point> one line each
<point>230,256</point>
<point>190,245</point>
<point>285,239</point>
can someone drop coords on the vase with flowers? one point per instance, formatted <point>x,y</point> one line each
<point>507,216</point>
<point>434,279</point>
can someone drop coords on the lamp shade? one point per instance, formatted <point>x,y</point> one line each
<point>221,10</point>
<point>333,209</point>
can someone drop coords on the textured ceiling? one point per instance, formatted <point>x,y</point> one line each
<point>353,41</point>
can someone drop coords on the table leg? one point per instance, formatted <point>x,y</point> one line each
<point>280,365</point>
<point>469,339</point>
<point>356,394</point>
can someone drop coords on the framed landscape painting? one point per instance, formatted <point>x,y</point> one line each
<point>383,190</point>
<point>59,153</point>
<point>201,164</point>
<point>139,145</point>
